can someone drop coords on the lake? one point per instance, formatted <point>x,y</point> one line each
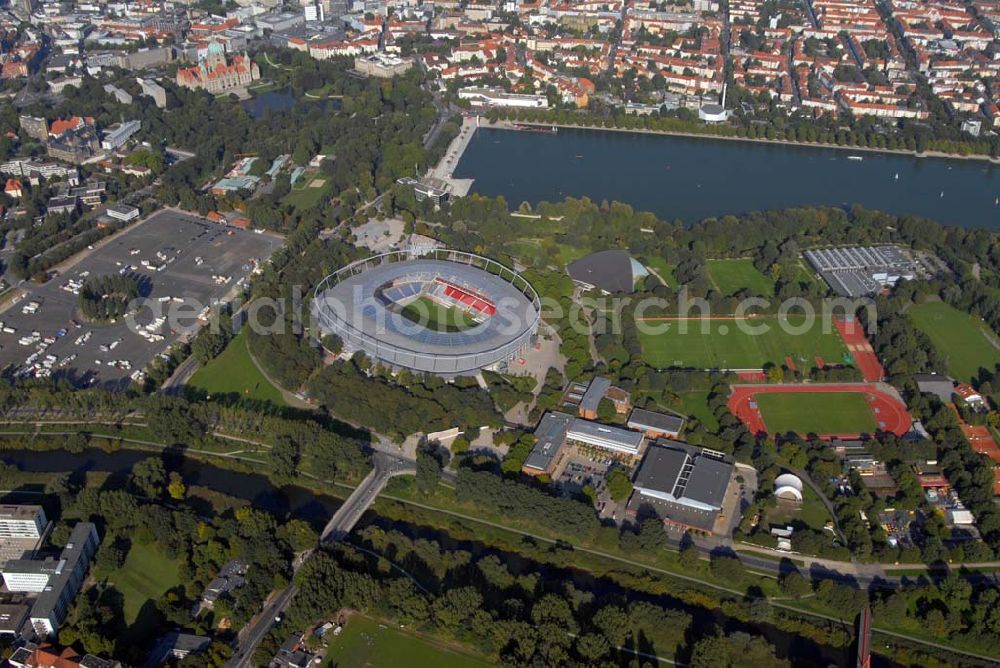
<point>691,179</point>
<point>282,100</point>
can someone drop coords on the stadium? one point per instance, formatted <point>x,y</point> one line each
<point>437,311</point>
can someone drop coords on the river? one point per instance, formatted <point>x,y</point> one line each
<point>317,508</point>
<point>690,178</point>
<point>254,488</point>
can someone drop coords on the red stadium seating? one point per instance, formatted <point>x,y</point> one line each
<point>467,298</point>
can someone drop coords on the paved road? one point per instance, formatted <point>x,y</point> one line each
<point>182,374</point>
<point>386,464</point>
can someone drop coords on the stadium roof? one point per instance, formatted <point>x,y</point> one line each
<point>352,309</point>
<point>609,270</point>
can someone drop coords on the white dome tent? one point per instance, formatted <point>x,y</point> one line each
<point>788,486</point>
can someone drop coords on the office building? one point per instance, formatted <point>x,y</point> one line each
<point>557,430</point>
<point>51,606</point>
<point>30,575</point>
<point>382,65</point>
<point>123,212</point>
<point>154,90</point>
<point>117,135</point>
<point>22,521</point>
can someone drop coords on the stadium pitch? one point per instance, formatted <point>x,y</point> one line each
<point>438,317</point>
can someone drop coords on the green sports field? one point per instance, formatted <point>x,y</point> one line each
<point>365,642</point>
<point>435,316</point>
<point>963,340</point>
<point>726,346</point>
<point>731,276</point>
<point>816,412</point>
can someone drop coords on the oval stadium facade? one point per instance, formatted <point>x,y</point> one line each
<point>492,312</point>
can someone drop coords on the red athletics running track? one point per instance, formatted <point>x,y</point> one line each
<point>890,414</point>
<point>857,344</point>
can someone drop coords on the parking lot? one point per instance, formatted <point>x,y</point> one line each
<point>182,263</point>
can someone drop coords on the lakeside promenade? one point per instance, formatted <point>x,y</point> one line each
<point>513,125</point>
<point>445,169</point>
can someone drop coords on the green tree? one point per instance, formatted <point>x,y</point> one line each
<point>429,468</point>
<point>794,584</point>
<point>283,459</point>
<point>149,476</point>
<point>176,488</point>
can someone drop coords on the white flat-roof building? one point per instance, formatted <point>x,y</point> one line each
<point>382,65</point>
<point>498,97</point>
<point>22,521</point>
<point>123,212</point>
<point>117,135</point>
<point>615,439</point>
<point>30,575</point>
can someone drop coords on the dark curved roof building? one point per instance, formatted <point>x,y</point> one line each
<point>608,271</point>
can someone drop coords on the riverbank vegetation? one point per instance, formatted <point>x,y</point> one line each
<point>158,554</point>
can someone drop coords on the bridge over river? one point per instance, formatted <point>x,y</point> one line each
<point>385,465</point>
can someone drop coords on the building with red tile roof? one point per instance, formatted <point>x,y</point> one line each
<point>218,74</point>
<point>13,188</point>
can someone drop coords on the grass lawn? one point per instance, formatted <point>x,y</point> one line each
<point>304,195</point>
<point>365,642</point>
<point>537,253</point>
<point>811,512</point>
<point>145,577</point>
<point>731,276</point>
<point>569,253</point>
<point>816,413</point>
<point>438,317</point>
<point>525,250</point>
<point>233,372</point>
<point>664,270</point>
<point>963,340</point>
<point>695,404</point>
<point>726,346</point>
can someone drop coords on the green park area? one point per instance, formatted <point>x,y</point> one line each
<point>146,576</point>
<point>694,403</point>
<point>309,190</point>
<point>731,276</point>
<point>965,341</point>
<point>811,512</point>
<point>746,344</point>
<point>233,372</point>
<point>659,267</point>
<point>365,642</point>
<point>438,317</point>
<point>543,252</point>
<point>816,412</point>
